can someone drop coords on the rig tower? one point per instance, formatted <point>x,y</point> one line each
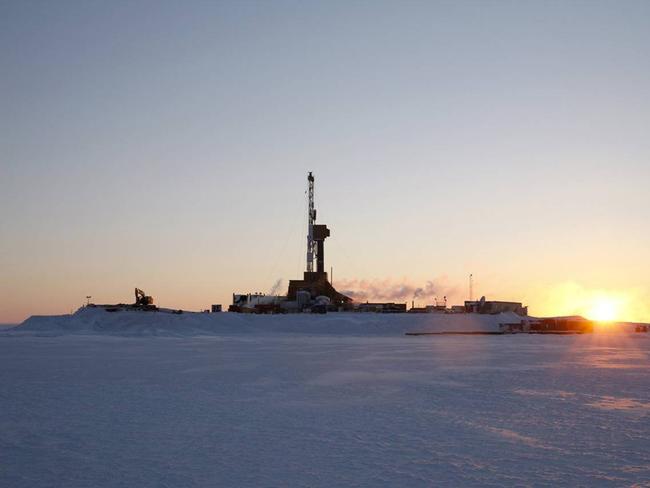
<point>316,235</point>
<point>315,281</point>
<point>311,218</point>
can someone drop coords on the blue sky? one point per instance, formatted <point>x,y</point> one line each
<point>166,144</point>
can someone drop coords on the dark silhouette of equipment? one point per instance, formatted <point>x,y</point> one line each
<point>142,300</point>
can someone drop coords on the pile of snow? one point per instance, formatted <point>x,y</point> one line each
<point>138,323</point>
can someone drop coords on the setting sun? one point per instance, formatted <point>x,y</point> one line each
<point>598,304</point>
<point>604,310</point>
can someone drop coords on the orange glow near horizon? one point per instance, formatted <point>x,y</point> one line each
<point>604,310</point>
<point>597,304</point>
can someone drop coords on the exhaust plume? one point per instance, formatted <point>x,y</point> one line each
<point>390,290</point>
<point>277,286</point>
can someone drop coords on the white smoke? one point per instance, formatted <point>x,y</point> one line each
<point>277,286</point>
<point>390,290</point>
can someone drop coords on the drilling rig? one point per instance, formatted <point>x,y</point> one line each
<point>316,282</point>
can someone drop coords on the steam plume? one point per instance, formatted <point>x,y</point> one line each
<point>277,286</point>
<point>390,290</point>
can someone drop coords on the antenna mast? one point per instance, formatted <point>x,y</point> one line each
<point>311,214</point>
<point>471,287</point>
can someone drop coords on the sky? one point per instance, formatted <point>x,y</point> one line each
<point>165,145</point>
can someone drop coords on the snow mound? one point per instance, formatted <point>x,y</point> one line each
<point>96,321</point>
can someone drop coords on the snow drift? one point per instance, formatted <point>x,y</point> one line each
<point>136,323</point>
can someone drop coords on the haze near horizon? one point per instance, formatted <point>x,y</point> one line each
<point>165,145</point>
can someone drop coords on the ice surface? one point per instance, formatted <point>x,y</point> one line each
<point>320,410</point>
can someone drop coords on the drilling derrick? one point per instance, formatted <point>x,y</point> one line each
<point>316,235</point>
<point>311,215</point>
<point>315,281</point>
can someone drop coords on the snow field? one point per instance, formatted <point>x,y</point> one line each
<point>312,410</point>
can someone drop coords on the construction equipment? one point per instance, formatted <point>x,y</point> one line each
<point>143,301</point>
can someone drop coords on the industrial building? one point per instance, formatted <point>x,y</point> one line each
<point>389,307</point>
<point>256,303</point>
<point>492,307</point>
<point>574,324</point>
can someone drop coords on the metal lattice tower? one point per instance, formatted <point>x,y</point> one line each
<point>471,287</point>
<point>311,214</point>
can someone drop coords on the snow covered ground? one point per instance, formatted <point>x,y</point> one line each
<point>238,405</point>
<point>137,323</point>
